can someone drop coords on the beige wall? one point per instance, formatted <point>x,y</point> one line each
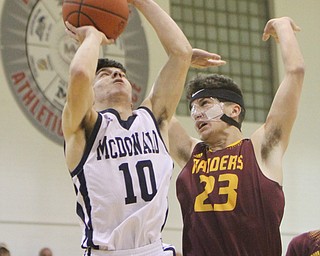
<point>302,162</point>
<point>36,193</point>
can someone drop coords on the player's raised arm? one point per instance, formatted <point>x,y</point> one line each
<point>181,143</point>
<point>169,84</point>
<point>272,139</point>
<point>80,95</point>
<point>285,104</point>
<point>78,109</point>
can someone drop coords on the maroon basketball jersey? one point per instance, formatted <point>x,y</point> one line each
<point>306,244</point>
<point>229,207</point>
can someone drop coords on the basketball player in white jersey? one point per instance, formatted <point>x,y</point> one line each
<point>118,156</point>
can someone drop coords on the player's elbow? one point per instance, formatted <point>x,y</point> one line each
<point>297,73</point>
<point>184,52</point>
<point>79,73</point>
<point>298,69</point>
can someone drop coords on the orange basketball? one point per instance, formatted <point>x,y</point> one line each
<point>108,16</point>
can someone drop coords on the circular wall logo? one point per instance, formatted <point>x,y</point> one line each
<point>36,53</point>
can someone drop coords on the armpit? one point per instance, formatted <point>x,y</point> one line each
<point>272,139</point>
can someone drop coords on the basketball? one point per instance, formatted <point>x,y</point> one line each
<point>108,16</point>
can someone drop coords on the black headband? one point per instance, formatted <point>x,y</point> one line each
<point>219,93</point>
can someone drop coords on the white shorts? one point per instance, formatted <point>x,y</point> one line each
<point>155,249</point>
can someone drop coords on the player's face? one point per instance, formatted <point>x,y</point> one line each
<point>206,112</point>
<point>206,109</point>
<point>111,82</point>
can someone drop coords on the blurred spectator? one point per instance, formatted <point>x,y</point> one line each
<point>4,251</point>
<point>305,244</point>
<point>45,252</point>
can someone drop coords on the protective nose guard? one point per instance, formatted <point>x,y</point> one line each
<point>220,93</point>
<point>215,112</point>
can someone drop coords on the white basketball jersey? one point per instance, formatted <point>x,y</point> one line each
<point>122,182</point>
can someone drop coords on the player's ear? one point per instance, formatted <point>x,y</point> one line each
<point>235,111</point>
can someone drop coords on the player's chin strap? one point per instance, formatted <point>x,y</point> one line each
<point>230,121</point>
<point>222,94</point>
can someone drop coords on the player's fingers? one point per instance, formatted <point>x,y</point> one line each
<point>199,53</point>
<point>296,28</point>
<point>69,26</point>
<point>208,63</point>
<point>214,56</point>
<point>106,40</point>
<point>265,36</point>
<point>70,33</point>
<point>217,62</point>
<point>214,63</point>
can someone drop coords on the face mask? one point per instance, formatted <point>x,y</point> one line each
<point>211,111</point>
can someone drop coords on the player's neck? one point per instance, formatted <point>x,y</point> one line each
<point>124,110</point>
<point>224,139</point>
<point>124,113</point>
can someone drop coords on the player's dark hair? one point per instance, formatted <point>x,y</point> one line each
<point>108,63</point>
<point>4,250</point>
<point>215,81</point>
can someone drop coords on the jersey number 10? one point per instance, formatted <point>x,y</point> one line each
<point>140,168</point>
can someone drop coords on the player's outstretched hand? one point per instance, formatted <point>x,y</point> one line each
<point>270,31</point>
<point>204,59</point>
<point>80,33</point>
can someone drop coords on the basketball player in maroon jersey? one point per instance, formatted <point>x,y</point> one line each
<point>305,244</point>
<point>230,187</point>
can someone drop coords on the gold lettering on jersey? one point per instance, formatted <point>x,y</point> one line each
<point>317,253</point>
<point>198,155</point>
<point>226,162</point>
<point>230,192</point>
<point>224,183</point>
<point>136,144</point>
